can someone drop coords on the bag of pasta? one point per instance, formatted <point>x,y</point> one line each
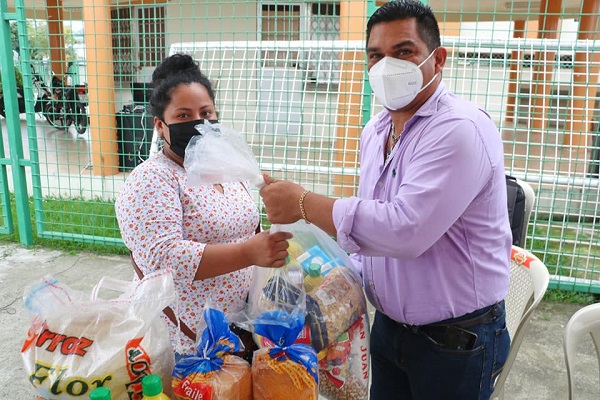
<point>213,373</point>
<point>76,342</point>
<point>285,370</point>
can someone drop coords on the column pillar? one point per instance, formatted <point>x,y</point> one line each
<point>513,76</point>
<point>585,78</point>
<point>353,22</point>
<point>101,92</point>
<point>543,65</point>
<point>56,37</point>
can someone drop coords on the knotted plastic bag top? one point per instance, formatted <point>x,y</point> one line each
<point>220,154</point>
<point>282,329</point>
<point>216,341</point>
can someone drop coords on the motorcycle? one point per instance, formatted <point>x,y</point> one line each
<point>67,106</point>
<point>42,95</point>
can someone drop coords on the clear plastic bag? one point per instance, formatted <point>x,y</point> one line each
<point>334,299</point>
<point>220,154</point>
<point>213,372</point>
<point>276,289</point>
<point>76,342</point>
<point>335,309</point>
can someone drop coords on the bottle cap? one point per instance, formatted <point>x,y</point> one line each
<point>152,385</point>
<point>314,270</point>
<point>100,393</point>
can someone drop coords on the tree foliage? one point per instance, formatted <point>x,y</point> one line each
<point>18,78</point>
<point>38,38</point>
<point>39,44</point>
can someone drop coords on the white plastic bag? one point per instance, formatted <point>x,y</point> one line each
<point>219,154</point>
<point>76,343</point>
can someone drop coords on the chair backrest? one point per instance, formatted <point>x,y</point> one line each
<point>529,204</point>
<point>529,280</point>
<point>519,208</point>
<point>585,321</point>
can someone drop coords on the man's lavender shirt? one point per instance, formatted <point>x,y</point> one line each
<point>430,227</point>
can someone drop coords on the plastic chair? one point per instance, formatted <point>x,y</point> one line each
<point>585,321</point>
<point>529,279</point>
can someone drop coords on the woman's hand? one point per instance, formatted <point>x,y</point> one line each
<point>281,200</point>
<point>267,249</point>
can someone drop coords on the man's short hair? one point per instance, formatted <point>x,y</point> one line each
<point>428,28</point>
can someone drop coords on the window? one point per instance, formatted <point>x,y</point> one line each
<point>324,25</point>
<point>318,21</point>
<point>280,23</point>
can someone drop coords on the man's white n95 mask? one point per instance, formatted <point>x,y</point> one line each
<point>397,82</point>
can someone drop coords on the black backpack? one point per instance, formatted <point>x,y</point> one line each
<point>516,209</point>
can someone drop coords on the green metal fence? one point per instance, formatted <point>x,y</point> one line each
<point>291,76</point>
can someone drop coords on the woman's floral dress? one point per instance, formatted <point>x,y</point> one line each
<point>167,224</point>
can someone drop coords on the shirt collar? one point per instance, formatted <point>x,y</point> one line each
<point>431,105</point>
<point>428,108</point>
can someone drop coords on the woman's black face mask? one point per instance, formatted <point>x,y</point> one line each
<point>181,133</point>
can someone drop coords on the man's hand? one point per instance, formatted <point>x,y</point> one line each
<point>281,200</point>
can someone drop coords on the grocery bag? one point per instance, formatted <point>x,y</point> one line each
<point>334,299</point>
<point>77,342</point>
<point>333,303</point>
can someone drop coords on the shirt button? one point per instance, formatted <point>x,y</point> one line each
<point>380,184</point>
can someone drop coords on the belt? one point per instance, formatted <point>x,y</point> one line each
<point>478,317</point>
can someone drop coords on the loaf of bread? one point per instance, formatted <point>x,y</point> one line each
<point>232,382</point>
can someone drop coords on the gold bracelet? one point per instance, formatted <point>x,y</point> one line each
<point>301,203</point>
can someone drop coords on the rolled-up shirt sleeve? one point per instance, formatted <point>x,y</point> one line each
<point>343,218</point>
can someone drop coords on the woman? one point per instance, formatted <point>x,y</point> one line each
<point>205,235</point>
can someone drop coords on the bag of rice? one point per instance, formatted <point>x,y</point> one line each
<point>76,344</point>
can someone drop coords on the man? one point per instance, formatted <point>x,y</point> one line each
<point>429,225</point>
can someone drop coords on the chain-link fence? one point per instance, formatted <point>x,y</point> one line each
<point>291,76</point>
